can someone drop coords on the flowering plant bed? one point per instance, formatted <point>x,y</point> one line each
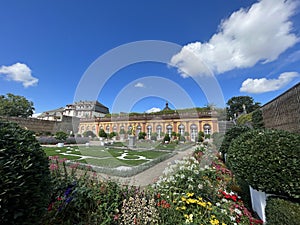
<point>195,190</point>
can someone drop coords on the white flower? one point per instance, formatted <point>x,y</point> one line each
<point>218,204</point>
<point>196,172</point>
<point>238,211</point>
<point>182,176</point>
<point>232,218</point>
<point>200,186</point>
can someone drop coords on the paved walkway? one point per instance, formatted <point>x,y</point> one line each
<point>150,175</point>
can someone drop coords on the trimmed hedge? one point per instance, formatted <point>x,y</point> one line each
<point>230,135</point>
<point>25,180</point>
<point>282,212</point>
<point>268,160</point>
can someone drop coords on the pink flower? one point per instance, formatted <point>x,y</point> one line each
<point>62,160</point>
<point>53,166</point>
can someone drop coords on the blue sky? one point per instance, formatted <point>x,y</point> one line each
<point>227,48</point>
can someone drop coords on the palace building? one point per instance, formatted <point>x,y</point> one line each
<point>187,122</point>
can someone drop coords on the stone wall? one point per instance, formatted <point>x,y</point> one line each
<point>283,112</point>
<point>43,126</point>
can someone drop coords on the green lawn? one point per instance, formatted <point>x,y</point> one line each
<point>101,156</point>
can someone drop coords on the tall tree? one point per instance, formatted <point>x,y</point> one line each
<point>239,104</point>
<point>15,105</point>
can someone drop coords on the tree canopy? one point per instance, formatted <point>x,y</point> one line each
<point>236,105</point>
<point>15,105</point>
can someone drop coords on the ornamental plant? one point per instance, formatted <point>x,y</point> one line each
<point>102,133</point>
<point>230,135</point>
<point>61,136</point>
<point>282,211</point>
<point>268,160</point>
<point>25,181</point>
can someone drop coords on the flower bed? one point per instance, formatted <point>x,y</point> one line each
<point>195,190</point>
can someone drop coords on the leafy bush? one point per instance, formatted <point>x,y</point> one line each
<point>102,133</point>
<point>268,160</point>
<point>257,119</point>
<point>245,119</point>
<point>112,134</point>
<point>61,136</point>
<point>89,133</point>
<point>24,176</point>
<point>167,138</point>
<point>142,135</point>
<point>282,212</point>
<point>230,135</point>
<point>200,136</point>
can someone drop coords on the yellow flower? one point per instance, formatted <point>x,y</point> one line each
<point>190,194</point>
<point>192,201</point>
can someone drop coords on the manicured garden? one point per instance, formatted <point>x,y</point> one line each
<point>200,189</point>
<point>101,156</point>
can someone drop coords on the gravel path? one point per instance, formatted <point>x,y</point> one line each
<point>150,175</point>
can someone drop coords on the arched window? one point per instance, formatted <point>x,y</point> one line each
<point>115,128</point>
<point>169,130</point>
<point>107,129</point>
<point>207,128</point>
<point>158,131</point>
<point>138,129</point>
<point>149,131</point>
<point>181,129</point>
<point>194,132</point>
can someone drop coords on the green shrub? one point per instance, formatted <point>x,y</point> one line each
<point>282,212</point>
<point>244,119</point>
<point>24,176</point>
<point>268,160</point>
<point>102,133</point>
<point>142,135</point>
<point>61,136</point>
<point>257,119</point>
<point>230,135</point>
<point>89,133</point>
<point>200,136</point>
<point>112,134</point>
<point>167,138</point>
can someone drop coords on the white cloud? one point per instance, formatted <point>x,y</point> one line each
<point>258,34</point>
<point>265,85</point>
<point>139,85</point>
<point>153,110</point>
<point>19,72</point>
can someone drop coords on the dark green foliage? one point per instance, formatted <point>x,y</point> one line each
<point>167,138</point>
<point>24,176</point>
<point>102,133</point>
<point>142,135</point>
<point>61,136</point>
<point>282,212</point>
<point>235,105</point>
<point>89,133</point>
<point>268,160</point>
<point>15,105</point>
<point>257,119</point>
<point>230,135</point>
<point>200,136</point>
<point>112,134</point>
